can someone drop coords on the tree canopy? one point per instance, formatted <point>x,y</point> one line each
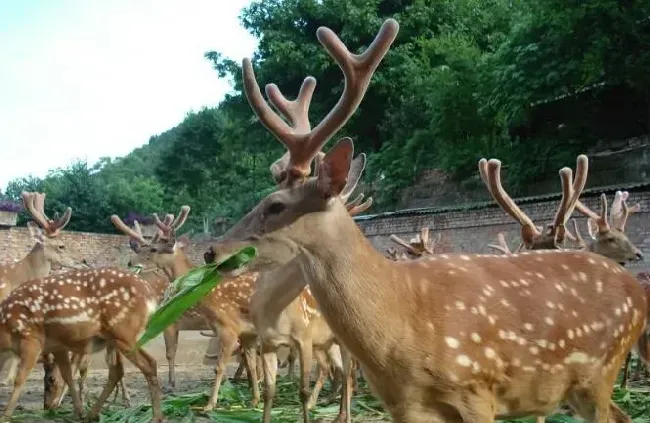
<point>514,79</point>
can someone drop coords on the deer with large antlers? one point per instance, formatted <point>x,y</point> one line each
<point>417,247</point>
<point>429,347</point>
<point>47,251</point>
<point>293,169</point>
<point>285,313</point>
<point>82,312</point>
<point>607,232</point>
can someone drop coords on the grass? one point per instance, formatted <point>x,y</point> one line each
<point>234,400</point>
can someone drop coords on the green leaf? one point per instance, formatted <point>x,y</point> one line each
<point>190,289</point>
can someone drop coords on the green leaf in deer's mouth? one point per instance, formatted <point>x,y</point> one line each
<point>190,288</point>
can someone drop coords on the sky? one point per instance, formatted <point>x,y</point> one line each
<point>84,79</point>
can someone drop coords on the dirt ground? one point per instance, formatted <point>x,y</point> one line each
<point>192,376</point>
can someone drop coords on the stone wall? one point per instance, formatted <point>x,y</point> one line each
<point>461,230</point>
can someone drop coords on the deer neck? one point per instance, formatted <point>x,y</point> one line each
<point>179,266</point>
<point>277,288</point>
<point>352,283</point>
<point>34,265</point>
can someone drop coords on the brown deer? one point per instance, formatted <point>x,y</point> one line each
<point>48,250</point>
<point>55,387</point>
<point>191,319</point>
<point>429,347</point>
<point>285,313</point>
<point>225,309</point>
<point>82,311</point>
<point>607,240</point>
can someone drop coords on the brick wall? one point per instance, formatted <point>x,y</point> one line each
<point>99,250</point>
<point>471,230</point>
<point>467,230</point>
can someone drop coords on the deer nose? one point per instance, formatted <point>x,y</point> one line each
<point>129,264</point>
<point>639,256</point>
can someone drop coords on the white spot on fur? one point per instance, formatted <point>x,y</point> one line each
<point>452,342</point>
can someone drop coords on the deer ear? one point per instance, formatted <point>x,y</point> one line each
<point>36,232</point>
<point>333,171</point>
<point>182,242</point>
<point>592,228</point>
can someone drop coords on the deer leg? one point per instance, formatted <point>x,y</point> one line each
<point>121,385</point>
<point>82,365</point>
<point>29,352</point>
<point>323,371</point>
<point>291,362</point>
<point>11,363</point>
<point>171,346</point>
<point>270,368</point>
<point>227,343</point>
<point>349,374</point>
<point>335,355</point>
<point>626,370</point>
<point>147,365</point>
<point>62,360</point>
<point>240,369</point>
<point>249,348</point>
<point>115,373</point>
<point>305,353</point>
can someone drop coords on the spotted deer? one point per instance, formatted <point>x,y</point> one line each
<point>48,251</point>
<point>285,313</point>
<point>55,387</point>
<point>295,128</point>
<point>606,232</point>
<point>82,312</point>
<point>191,319</point>
<point>225,309</point>
<point>428,345</point>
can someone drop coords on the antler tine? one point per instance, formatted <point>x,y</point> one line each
<point>503,244</point>
<point>361,207</point>
<point>399,241</point>
<point>620,211</point>
<point>358,199</point>
<point>164,230</point>
<point>122,227</point>
<point>302,143</point>
<point>424,236</point>
<point>557,228</point>
<point>599,219</point>
<point>581,242</point>
<point>182,217</point>
<point>528,229</point>
<point>34,202</point>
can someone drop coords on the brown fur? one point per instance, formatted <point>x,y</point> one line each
<point>82,312</point>
<point>429,366</point>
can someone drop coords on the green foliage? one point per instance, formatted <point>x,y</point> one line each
<point>190,289</point>
<point>465,79</point>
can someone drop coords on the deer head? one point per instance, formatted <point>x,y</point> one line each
<point>163,249</point>
<point>45,234</point>
<point>291,171</point>
<point>608,237</point>
<point>532,236</point>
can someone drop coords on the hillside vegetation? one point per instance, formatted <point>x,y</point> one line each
<point>531,82</point>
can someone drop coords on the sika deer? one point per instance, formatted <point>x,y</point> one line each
<point>191,319</point>
<point>285,314</point>
<point>225,309</point>
<point>47,251</point>
<point>430,348</point>
<point>55,388</point>
<point>609,241</point>
<point>416,248</point>
<point>82,312</point>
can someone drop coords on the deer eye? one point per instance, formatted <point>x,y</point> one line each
<point>276,208</point>
<point>153,250</point>
<point>61,247</point>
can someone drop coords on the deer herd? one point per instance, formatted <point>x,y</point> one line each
<point>438,337</point>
